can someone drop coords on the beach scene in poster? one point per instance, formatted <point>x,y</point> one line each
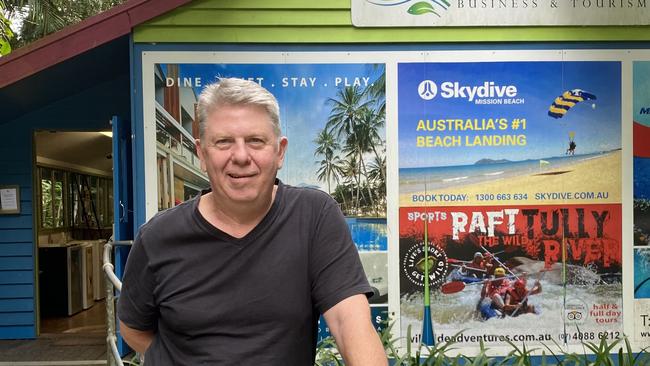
<point>535,132</point>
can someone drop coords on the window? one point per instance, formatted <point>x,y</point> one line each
<point>75,200</point>
<point>52,203</point>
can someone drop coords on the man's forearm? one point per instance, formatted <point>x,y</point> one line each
<point>356,338</point>
<point>361,347</point>
<point>137,339</point>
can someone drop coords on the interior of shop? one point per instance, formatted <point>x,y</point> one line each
<point>73,221</point>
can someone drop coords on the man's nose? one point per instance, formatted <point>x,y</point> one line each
<point>240,153</point>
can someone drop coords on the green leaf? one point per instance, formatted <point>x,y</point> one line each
<point>421,8</point>
<point>5,47</point>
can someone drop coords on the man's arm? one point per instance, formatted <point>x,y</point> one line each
<point>356,339</point>
<point>138,340</point>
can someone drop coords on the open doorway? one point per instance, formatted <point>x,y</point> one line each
<point>73,210</point>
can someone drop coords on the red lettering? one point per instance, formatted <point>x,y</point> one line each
<point>551,252</point>
<point>593,252</point>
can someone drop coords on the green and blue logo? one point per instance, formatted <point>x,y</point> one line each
<point>418,8</point>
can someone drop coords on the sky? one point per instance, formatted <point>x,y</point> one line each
<point>596,124</point>
<point>303,106</point>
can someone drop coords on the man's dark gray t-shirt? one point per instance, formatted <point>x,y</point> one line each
<point>215,299</point>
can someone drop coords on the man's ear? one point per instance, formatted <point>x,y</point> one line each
<point>199,152</point>
<point>282,149</point>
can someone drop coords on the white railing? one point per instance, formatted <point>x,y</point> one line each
<point>112,282</point>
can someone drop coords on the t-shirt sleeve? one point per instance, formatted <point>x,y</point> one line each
<point>136,305</point>
<point>335,267</point>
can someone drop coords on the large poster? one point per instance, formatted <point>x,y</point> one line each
<point>333,116</point>
<point>472,175</point>
<point>512,171</point>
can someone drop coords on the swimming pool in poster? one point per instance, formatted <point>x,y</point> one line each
<point>641,273</point>
<point>368,234</point>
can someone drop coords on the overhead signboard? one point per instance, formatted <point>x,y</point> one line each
<point>461,13</point>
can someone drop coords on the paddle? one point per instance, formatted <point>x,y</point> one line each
<point>467,267</point>
<point>452,260</point>
<point>453,287</point>
<point>498,261</point>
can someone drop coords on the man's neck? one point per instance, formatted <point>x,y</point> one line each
<point>236,219</point>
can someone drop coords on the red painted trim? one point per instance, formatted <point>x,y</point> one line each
<point>641,138</point>
<point>81,37</point>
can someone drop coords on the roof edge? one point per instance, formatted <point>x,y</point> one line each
<point>81,37</point>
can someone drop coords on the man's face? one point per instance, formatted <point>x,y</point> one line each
<point>241,154</point>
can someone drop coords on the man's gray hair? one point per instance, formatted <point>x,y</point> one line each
<point>237,92</point>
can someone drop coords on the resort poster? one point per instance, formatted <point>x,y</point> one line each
<point>512,173</point>
<point>641,169</point>
<point>334,118</point>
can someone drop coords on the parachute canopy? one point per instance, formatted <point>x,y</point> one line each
<point>568,99</point>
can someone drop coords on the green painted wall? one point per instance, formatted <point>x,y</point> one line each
<point>329,21</point>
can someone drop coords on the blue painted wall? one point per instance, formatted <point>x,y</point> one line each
<point>89,110</point>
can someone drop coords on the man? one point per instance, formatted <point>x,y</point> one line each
<point>476,267</point>
<point>489,264</point>
<point>239,275</point>
<point>491,302</point>
<point>572,148</point>
<point>516,298</point>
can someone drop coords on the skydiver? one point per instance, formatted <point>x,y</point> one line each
<point>572,148</point>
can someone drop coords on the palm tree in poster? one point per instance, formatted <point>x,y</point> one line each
<point>327,146</point>
<point>377,91</point>
<point>331,166</point>
<point>351,183</point>
<point>347,108</point>
<point>345,119</point>
<point>376,175</point>
<point>371,123</point>
<point>356,119</point>
<point>357,144</point>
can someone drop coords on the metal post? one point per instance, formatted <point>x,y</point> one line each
<point>112,282</point>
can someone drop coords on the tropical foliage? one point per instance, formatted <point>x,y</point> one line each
<point>351,149</point>
<point>608,352</point>
<point>6,34</point>
<point>42,17</point>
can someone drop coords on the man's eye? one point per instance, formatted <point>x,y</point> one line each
<point>223,143</point>
<point>256,141</point>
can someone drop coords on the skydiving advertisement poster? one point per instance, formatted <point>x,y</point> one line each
<point>641,179</point>
<point>512,173</point>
